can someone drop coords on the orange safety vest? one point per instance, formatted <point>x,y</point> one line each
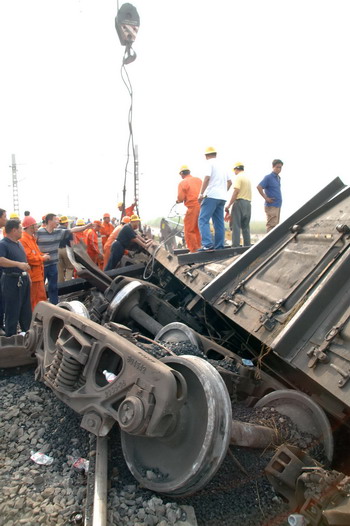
<point>106,230</point>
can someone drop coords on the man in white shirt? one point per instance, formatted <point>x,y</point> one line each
<point>213,198</point>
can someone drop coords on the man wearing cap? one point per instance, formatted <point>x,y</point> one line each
<point>241,207</point>
<point>65,267</point>
<point>125,237</point>
<point>48,239</point>
<point>35,259</point>
<point>15,282</point>
<point>91,241</point>
<point>106,229</point>
<point>270,189</point>
<point>79,236</point>
<point>212,198</point>
<point>127,211</point>
<point>3,219</point>
<point>113,237</point>
<point>187,193</point>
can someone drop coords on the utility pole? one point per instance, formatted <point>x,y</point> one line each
<point>136,177</point>
<point>15,185</point>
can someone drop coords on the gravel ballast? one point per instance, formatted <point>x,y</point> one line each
<point>33,420</point>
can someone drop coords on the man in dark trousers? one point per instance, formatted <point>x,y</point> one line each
<point>3,219</point>
<point>15,283</point>
<point>125,237</point>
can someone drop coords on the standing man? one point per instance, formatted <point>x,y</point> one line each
<point>187,193</point>
<point>125,237</point>
<point>270,189</point>
<point>35,259</point>
<point>3,219</point>
<point>15,282</point>
<point>91,242</point>
<point>106,229</point>
<point>241,207</point>
<point>213,198</point>
<point>49,237</point>
<point>65,267</point>
<point>127,211</point>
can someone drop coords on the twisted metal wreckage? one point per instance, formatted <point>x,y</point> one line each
<point>283,304</point>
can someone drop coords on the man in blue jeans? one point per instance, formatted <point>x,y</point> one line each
<point>212,197</point>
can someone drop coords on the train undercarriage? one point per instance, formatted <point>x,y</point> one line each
<point>165,346</point>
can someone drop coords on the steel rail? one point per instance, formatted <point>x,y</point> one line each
<point>100,492</point>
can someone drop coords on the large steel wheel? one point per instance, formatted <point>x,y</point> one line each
<point>185,460</point>
<point>304,412</point>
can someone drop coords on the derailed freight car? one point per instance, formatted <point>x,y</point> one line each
<point>283,304</point>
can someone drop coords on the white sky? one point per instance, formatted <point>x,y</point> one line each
<point>257,79</point>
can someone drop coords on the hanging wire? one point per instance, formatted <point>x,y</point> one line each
<point>127,82</point>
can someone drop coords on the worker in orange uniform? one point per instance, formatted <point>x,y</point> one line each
<point>79,236</point>
<point>106,228</point>
<point>35,259</point>
<point>187,193</point>
<point>113,237</point>
<point>91,241</point>
<point>127,211</point>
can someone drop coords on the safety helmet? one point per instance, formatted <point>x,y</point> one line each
<point>97,222</point>
<point>240,166</point>
<point>183,168</point>
<point>135,218</point>
<point>210,150</point>
<point>63,220</point>
<point>125,219</point>
<point>28,221</point>
<point>14,215</point>
<point>120,204</point>
<point>80,222</point>
<point>106,215</point>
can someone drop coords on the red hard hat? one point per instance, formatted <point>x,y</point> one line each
<point>28,221</point>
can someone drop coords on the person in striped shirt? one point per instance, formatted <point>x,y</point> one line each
<point>48,239</point>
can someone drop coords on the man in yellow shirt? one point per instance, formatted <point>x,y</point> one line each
<point>241,206</point>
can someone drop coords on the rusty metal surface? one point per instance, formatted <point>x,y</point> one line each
<point>72,354</point>
<point>14,352</point>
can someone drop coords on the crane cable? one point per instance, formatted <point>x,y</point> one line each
<point>127,82</point>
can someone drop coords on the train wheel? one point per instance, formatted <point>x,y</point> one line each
<point>185,460</point>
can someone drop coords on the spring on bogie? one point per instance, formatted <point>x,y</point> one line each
<point>55,365</point>
<point>68,373</point>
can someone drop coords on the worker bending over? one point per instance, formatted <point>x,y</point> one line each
<point>125,237</point>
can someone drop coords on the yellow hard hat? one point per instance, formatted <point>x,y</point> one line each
<point>120,204</point>
<point>210,150</point>
<point>14,215</point>
<point>238,165</point>
<point>135,218</point>
<point>80,222</point>
<point>63,220</point>
<point>183,168</point>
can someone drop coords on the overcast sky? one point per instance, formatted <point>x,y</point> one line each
<point>255,79</point>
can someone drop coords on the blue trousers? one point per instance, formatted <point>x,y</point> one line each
<point>16,302</point>
<point>117,251</point>
<point>51,275</point>
<point>1,307</point>
<point>212,209</point>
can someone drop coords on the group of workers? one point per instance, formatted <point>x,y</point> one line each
<point>32,256</point>
<point>206,200</point>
